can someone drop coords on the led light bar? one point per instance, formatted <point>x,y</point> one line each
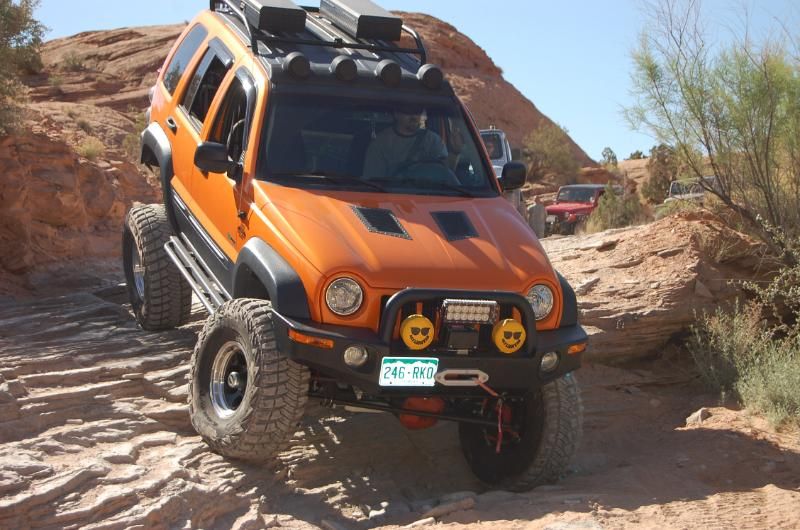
<point>275,16</point>
<point>362,19</point>
<point>470,311</point>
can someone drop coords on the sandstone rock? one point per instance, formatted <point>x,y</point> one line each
<point>698,417</point>
<point>445,509</point>
<point>422,522</point>
<point>639,300</point>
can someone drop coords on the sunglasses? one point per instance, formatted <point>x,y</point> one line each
<point>516,334</point>
<point>417,331</point>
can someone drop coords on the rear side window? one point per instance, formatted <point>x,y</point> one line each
<point>204,86</point>
<point>183,56</point>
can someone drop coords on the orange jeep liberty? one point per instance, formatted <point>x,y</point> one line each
<point>328,199</point>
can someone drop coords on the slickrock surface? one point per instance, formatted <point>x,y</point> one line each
<point>94,433</point>
<point>638,287</point>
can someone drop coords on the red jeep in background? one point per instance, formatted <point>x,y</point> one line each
<point>573,206</point>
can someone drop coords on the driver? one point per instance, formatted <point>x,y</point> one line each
<point>404,144</point>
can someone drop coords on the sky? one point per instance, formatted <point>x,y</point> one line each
<point>571,58</point>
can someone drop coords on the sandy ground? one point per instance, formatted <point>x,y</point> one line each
<point>94,433</point>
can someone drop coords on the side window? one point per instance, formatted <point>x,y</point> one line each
<point>204,87</point>
<point>183,56</point>
<point>230,127</point>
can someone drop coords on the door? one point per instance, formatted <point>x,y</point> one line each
<point>190,119</point>
<point>221,197</point>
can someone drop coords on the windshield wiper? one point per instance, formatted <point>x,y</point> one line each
<point>335,179</point>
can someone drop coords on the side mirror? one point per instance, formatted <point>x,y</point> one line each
<point>514,176</point>
<point>212,157</point>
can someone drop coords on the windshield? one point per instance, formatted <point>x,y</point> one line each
<point>575,195</point>
<point>357,144</point>
<point>493,145</point>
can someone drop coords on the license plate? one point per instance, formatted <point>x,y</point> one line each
<point>551,219</point>
<point>408,371</point>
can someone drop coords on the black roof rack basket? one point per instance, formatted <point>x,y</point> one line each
<point>278,18</point>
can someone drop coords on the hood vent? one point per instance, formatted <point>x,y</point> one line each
<point>455,225</point>
<point>381,221</point>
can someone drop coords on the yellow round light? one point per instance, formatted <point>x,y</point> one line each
<point>417,332</point>
<point>508,335</point>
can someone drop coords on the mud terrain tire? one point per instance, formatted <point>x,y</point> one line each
<point>160,297</point>
<point>254,420</point>
<point>551,430</point>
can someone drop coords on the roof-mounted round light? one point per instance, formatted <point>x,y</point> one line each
<point>389,72</point>
<point>297,65</point>
<point>344,68</point>
<point>431,76</point>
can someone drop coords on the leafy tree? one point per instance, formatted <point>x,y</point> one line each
<point>609,158</point>
<point>732,106</point>
<point>663,168</point>
<point>548,150</point>
<point>636,155</point>
<point>20,39</point>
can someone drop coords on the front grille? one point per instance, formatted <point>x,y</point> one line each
<point>432,310</point>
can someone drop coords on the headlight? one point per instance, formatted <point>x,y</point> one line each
<point>344,296</point>
<point>541,299</point>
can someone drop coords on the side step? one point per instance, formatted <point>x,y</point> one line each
<point>196,272</point>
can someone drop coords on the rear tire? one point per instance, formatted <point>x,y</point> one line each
<point>245,398</point>
<point>160,297</point>
<point>551,426</point>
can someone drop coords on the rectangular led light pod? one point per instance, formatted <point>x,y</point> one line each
<point>470,311</point>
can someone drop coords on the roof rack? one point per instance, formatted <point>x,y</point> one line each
<point>281,16</point>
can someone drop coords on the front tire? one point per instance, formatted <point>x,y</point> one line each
<point>160,297</point>
<point>551,423</point>
<point>245,397</point>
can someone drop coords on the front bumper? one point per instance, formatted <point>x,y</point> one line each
<point>507,373</point>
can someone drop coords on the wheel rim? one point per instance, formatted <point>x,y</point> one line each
<point>138,271</point>
<point>228,379</point>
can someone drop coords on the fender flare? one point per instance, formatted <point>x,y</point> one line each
<point>157,151</point>
<point>259,265</point>
<point>569,312</point>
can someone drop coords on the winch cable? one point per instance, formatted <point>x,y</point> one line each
<point>500,405</point>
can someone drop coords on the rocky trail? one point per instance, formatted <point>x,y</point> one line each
<point>94,433</point>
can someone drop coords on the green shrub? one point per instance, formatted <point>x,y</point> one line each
<point>55,81</point>
<point>675,207</point>
<point>663,168</point>
<point>73,62</point>
<point>131,144</point>
<point>739,353</point>
<point>91,149</point>
<point>615,211</point>
<point>85,126</point>
<point>20,39</point>
<point>548,151</point>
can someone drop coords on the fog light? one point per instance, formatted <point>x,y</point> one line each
<point>356,356</point>
<point>549,362</point>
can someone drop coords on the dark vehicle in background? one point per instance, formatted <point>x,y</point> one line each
<point>573,206</point>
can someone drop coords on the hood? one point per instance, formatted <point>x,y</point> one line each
<point>570,207</point>
<point>504,253</point>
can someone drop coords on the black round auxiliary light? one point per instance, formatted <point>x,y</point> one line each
<point>389,72</point>
<point>297,65</point>
<point>344,68</point>
<point>431,76</point>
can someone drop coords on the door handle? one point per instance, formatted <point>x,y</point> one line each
<point>172,124</point>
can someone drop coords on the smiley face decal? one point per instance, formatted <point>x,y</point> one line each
<point>417,332</point>
<point>508,335</point>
